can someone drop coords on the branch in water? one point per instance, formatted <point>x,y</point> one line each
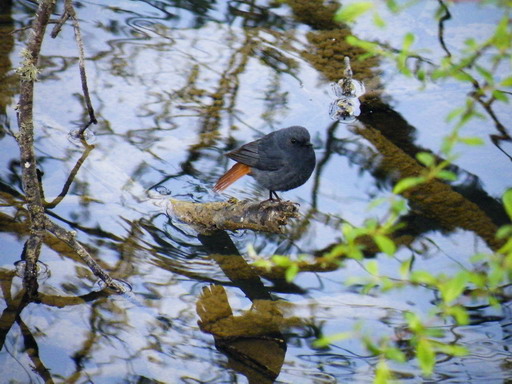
<point>266,216</point>
<point>69,238</point>
<point>39,222</point>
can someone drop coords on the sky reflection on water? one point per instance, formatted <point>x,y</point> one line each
<point>177,84</point>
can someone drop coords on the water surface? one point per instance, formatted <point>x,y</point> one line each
<point>176,84</point>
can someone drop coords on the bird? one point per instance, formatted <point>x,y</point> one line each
<point>280,161</point>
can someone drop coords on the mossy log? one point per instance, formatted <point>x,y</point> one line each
<point>266,216</point>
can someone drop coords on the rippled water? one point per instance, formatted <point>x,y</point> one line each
<point>175,84</point>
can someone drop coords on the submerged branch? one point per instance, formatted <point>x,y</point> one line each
<point>265,216</point>
<point>69,238</point>
<point>38,221</point>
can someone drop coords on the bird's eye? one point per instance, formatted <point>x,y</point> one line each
<point>294,141</point>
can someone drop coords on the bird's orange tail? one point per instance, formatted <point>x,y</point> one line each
<point>237,171</point>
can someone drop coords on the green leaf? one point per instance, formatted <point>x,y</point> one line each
<point>501,38</point>
<point>366,56</point>
<point>507,82</point>
<point>426,158</point>
<point>500,95</point>
<point>371,346</point>
<point>495,276</point>
<point>368,288</point>
<point>382,373</point>
<point>291,272</point>
<point>347,230</point>
<point>376,202</point>
<point>485,74</point>
<point>414,322</point>
<point>477,257</point>
<point>281,261</point>
<point>350,12</point>
<point>446,175</point>
<point>494,302</point>
<point>507,250</point>
<point>462,76</point>
<point>460,314</point>
<point>393,6</point>
<point>471,43</point>
<point>408,40</point>
<point>455,113</point>
<point>453,350</point>
<point>385,244</point>
<point>407,183</point>
<point>326,340</point>
<point>447,145</point>
<point>263,264</point>
<point>405,267</point>
<point>435,332</point>
<point>421,74</point>
<point>351,281</point>
<point>373,48</point>
<point>372,267</point>
<point>401,62</point>
<point>371,224</point>
<point>336,252</point>
<point>399,206</point>
<point>423,277</point>
<point>437,74</point>
<point>477,278</point>
<point>387,284</point>
<point>471,140</point>
<point>504,232</point>
<point>452,288</point>
<point>394,354</point>
<point>378,20</point>
<point>426,356</point>
<point>507,202</point>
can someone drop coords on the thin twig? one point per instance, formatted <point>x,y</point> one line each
<point>447,16</point>
<point>81,64</point>
<point>14,31</point>
<point>69,13</point>
<point>71,178</point>
<point>56,30</point>
<point>69,239</point>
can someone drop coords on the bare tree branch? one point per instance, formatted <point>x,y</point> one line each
<point>39,222</point>
<point>25,137</point>
<point>69,13</point>
<point>69,238</point>
<point>71,177</point>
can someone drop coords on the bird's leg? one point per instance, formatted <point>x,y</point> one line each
<point>273,193</point>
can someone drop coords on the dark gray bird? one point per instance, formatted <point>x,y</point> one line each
<point>279,161</point>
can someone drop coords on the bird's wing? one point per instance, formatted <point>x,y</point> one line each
<point>258,154</point>
<point>247,154</point>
